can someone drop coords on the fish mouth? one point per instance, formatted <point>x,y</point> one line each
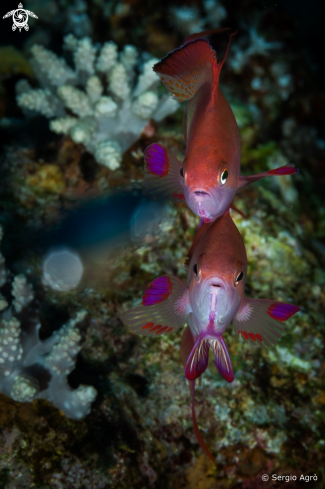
<point>201,203</point>
<point>201,193</point>
<point>214,285</point>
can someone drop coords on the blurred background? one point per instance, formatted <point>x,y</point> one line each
<point>84,403</point>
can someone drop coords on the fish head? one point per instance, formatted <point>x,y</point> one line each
<point>215,293</point>
<point>209,189</point>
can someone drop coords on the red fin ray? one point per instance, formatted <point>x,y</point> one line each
<point>227,50</point>
<point>197,432</point>
<point>163,309</point>
<point>234,208</point>
<point>262,319</point>
<point>284,170</point>
<point>289,169</point>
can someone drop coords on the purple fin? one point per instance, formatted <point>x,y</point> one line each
<point>222,358</point>
<point>262,321</point>
<point>163,309</point>
<point>162,176</point>
<point>198,360</point>
<point>159,290</point>
<point>156,159</point>
<point>282,311</point>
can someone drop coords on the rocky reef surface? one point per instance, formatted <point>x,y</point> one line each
<point>139,433</point>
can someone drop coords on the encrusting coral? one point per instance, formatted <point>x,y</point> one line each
<point>34,369</point>
<point>106,124</point>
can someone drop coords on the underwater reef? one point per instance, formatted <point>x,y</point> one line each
<point>139,433</point>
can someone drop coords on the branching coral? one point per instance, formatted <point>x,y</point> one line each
<point>100,103</point>
<point>34,369</point>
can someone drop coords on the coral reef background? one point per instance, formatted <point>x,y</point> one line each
<point>138,432</point>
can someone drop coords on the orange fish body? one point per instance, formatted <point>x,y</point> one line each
<point>210,175</point>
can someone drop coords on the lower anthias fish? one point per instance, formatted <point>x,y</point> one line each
<point>209,176</point>
<point>211,299</point>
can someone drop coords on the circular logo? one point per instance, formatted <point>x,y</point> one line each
<point>20,18</point>
<point>265,477</point>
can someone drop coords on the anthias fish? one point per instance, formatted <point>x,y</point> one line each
<point>210,176</point>
<point>211,299</point>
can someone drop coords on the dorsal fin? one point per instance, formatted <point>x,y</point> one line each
<point>186,69</point>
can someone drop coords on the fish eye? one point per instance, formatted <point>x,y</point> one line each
<point>197,272</point>
<point>182,172</point>
<point>223,173</point>
<point>224,176</point>
<point>197,268</point>
<point>239,278</point>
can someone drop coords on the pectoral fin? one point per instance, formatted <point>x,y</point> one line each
<point>262,321</point>
<point>162,175</point>
<point>243,181</point>
<point>163,310</point>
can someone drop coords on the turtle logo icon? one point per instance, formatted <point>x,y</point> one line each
<point>20,18</point>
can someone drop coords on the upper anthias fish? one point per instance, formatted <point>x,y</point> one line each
<point>211,299</point>
<point>210,176</point>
